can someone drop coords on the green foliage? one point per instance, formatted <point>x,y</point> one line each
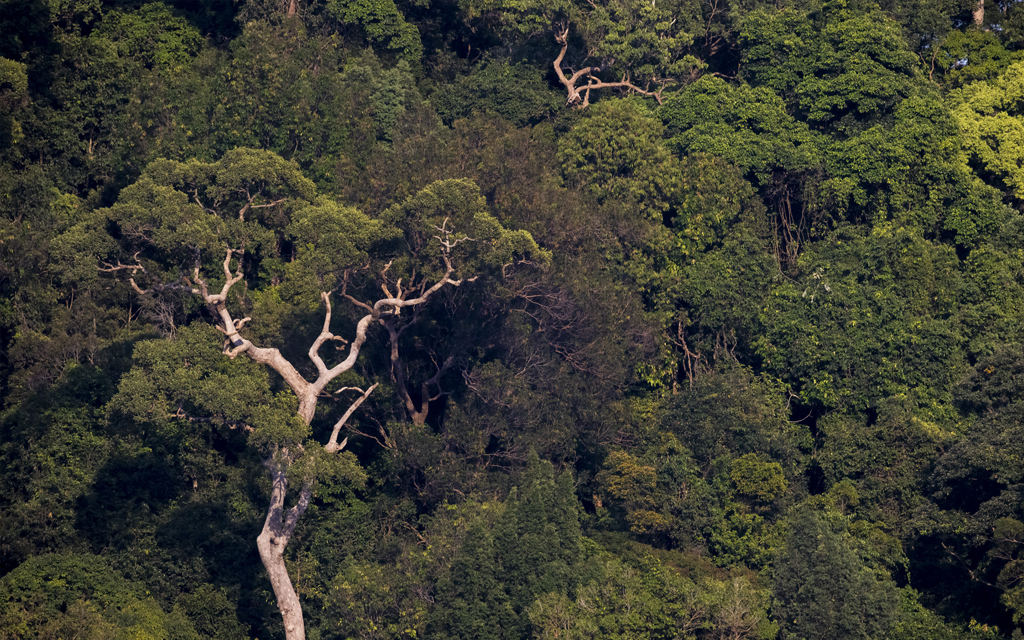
<point>842,69</point>
<point>616,152</point>
<point>992,384</point>
<point>895,156</point>
<point>988,114</point>
<point>915,622</point>
<point>52,456</point>
<point>723,291</point>
<point>627,602</point>
<point>471,600</point>
<point>382,24</point>
<point>294,93</point>
<point>1007,535</point>
<point>879,466</point>
<point>374,601</point>
<point>54,581</point>
<point>633,485</point>
<point>153,35</point>
<point>72,15</point>
<point>746,126</point>
<point>186,387</point>
<point>757,479</point>
<point>76,120</point>
<point>212,613</point>
<point>1010,19</point>
<point>533,547</point>
<point>479,241</point>
<point>970,56</point>
<point>647,597</point>
<point>329,238</point>
<point>926,23</point>
<point>985,520</point>
<point>56,594</point>
<point>797,280</point>
<point>180,217</point>
<point>822,589</point>
<point>353,24</point>
<point>842,300</point>
<point>731,412</point>
<point>13,89</point>
<point>776,46</point>
<point>911,175</point>
<point>189,377</point>
<point>538,540</point>
<point>712,198</point>
<point>992,281</point>
<point>53,317</point>
<point>507,414</point>
<point>516,92</point>
<point>648,44</point>
<point>664,497</point>
<point>13,81</point>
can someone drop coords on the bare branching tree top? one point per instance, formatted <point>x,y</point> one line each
<point>639,47</point>
<point>250,240</point>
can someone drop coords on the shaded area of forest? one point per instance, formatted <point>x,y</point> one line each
<point>726,338</point>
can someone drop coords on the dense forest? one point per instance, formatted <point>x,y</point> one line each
<point>512,319</point>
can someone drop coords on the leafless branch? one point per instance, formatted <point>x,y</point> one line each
<point>332,444</point>
<point>593,82</point>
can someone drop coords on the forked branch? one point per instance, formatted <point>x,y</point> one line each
<point>580,96</point>
<point>332,445</point>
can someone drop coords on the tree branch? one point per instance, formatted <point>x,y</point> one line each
<point>332,445</point>
<point>325,335</point>
<point>137,267</point>
<point>594,82</point>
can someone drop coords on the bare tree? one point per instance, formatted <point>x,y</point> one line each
<point>246,206</point>
<point>280,522</point>
<point>632,46</point>
<point>579,94</point>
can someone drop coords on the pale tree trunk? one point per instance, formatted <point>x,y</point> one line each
<point>979,14</point>
<point>279,525</point>
<point>277,531</point>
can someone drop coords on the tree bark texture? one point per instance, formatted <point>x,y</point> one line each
<point>277,531</point>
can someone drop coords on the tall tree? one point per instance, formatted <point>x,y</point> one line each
<point>253,217</point>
